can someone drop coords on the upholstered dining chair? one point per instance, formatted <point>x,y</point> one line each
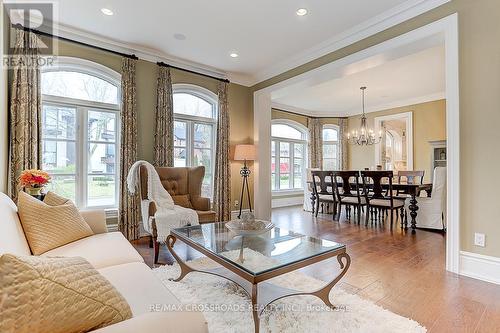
<point>378,198</point>
<point>349,192</point>
<point>432,211</point>
<point>323,191</point>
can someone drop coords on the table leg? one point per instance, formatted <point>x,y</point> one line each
<point>413,212</point>
<point>255,309</point>
<point>323,293</point>
<point>185,269</point>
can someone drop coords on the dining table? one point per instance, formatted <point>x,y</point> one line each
<point>413,190</point>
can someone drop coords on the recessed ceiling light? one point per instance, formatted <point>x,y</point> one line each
<point>107,11</point>
<point>180,36</point>
<point>234,55</point>
<point>301,11</point>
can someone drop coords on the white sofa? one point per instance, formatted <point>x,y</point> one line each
<point>117,260</point>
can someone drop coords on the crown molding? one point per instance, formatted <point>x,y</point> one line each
<point>356,112</point>
<point>390,18</point>
<point>285,107</point>
<point>376,24</point>
<point>143,53</point>
<point>398,103</point>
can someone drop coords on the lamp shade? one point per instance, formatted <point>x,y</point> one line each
<point>244,152</point>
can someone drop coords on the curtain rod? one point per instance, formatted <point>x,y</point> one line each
<point>162,64</point>
<point>132,56</point>
<point>46,34</point>
<point>304,115</point>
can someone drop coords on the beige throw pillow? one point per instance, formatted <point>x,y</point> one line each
<point>53,199</point>
<point>52,295</point>
<point>48,226</point>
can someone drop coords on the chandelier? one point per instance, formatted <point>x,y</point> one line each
<point>364,136</point>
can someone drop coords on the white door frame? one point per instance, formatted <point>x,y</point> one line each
<point>408,117</point>
<point>448,27</point>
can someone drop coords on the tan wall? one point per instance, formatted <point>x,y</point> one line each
<point>479,33</point>
<point>429,123</point>
<point>240,103</point>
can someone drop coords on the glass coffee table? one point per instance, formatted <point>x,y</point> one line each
<point>250,261</point>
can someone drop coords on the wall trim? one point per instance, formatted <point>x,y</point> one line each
<point>408,116</point>
<point>376,24</point>
<point>481,267</point>
<point>356,112</point>
<point>278,202</point>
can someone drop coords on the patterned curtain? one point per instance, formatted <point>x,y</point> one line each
<point>25,109</point>
<point>315,143</point>
<point>383,144</point>
<point>343,144</point>
<point>222,195</point>
<point>128,212</point>
<point>164,133</point>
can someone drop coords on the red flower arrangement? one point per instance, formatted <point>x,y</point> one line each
<point>34,178</point>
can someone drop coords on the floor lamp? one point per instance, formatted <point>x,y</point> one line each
<point>244,153</point>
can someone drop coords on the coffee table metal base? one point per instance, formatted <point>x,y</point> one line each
<point>262,294</point>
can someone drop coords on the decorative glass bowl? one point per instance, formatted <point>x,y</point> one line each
<point>249,228</point>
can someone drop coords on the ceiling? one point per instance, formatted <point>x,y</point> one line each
<point>415,78</point>
<point>267,35</point>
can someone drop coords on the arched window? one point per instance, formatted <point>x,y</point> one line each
<point>80,131</point>
<point>195,118</point>
<point>330,147</point>
<point>288,155</point>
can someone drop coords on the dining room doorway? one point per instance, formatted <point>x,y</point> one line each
<point>444,31</point>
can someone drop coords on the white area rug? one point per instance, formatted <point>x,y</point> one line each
<point>227,308</point>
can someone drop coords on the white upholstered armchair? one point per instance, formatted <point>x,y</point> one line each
<point>432,211</point>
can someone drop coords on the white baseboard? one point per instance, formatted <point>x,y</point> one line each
<point>287,201</point>
<point>481,267</point>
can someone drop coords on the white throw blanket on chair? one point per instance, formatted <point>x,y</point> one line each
<point>168,215</point>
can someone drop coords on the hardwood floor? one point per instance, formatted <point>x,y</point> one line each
<point>402,272</point>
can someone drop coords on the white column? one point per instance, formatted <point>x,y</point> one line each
<point>262,165</point>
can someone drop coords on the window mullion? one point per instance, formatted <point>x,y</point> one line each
<point>82,163</point>
<point>277,165</point>
<point>191,143</point>
<point>292,169</point>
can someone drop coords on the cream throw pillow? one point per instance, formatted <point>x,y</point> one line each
<point>52,295</point>
<point>47,226</point>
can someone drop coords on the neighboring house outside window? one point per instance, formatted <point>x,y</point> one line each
<point>288,155</point>
<point>195,119</point>
<point>80,131</point>
<point>331,147</point>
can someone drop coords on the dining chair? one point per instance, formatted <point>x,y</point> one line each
<point>323,191</point>
<point>378,198</point>
<point>432,211</point>
<point>348,192</point>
